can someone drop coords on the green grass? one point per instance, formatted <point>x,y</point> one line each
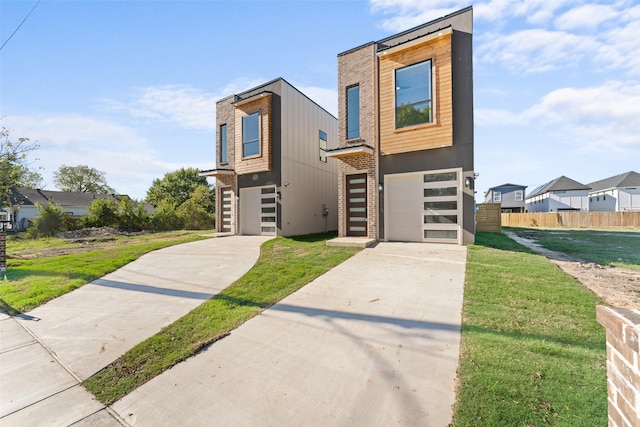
<point>532,352</point>
<point>608,248</point>
<point>34,281</point>
<point>284,266</point>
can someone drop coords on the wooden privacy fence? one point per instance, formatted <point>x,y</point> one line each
<point>488,218</point>
<point>572,219</point>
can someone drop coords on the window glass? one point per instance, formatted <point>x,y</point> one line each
<point>413,95</point>
<point>453,205</point>
<point>437,192</point>
<point>223,143</point>
<point>437,177</point>
<point>323,147</point>
<point>251,135</point>
<point>440,234</point>
<point>497,196</point>
<point>518,196</point>
<point>353,112</point>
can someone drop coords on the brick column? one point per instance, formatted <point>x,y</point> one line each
<point>623,364</point>
<point>3,253</point>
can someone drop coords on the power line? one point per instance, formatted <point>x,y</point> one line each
<point>23,21</point>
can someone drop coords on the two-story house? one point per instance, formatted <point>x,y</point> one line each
<point>616,194</point>
<point>560,194</point>
<point>510,197</point>
<point>405,135</point>
<point>272,173</point>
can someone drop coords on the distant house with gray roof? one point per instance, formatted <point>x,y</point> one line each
<point>616,194</point>
<point>510,197</point>
<point>560,194</point>
<point>24,202</point>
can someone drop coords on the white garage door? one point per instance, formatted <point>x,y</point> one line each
<point>424,207</point>
<point>258,210</point>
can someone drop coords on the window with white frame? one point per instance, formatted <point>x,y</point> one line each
<point>497,197</point>
<point>519,196</point>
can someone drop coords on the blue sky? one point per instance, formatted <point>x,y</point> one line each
<point>129,87</point>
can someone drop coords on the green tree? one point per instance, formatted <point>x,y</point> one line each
<point>177,187</point>
<point>50,220</point>
<point>13,163</point>
<point>196,212</point>
<point>103,213</point>
<point>132,216</point>
<point>81,179</point>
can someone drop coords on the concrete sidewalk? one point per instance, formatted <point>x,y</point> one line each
<point>374,342</point>
<point>45,354</point>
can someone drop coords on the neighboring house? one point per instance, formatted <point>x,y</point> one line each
<point>510,197</point>
<point>561,194</point>
<point>405,135</point>
<point>615,194</point>
<point>24,204</point>
<point>272,173</point>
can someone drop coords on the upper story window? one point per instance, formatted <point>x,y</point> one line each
<point>518,195</point>
<point>497,196</point>
<point>353,112</point>
<point>223,143</point>
<point>414,95</point>
<point>251,135</point>
<point>323,147</point>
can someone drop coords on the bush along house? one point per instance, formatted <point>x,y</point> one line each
<point>405,135</point>
<point>273,176</point>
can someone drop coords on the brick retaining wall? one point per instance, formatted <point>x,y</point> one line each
<point>623,364</point>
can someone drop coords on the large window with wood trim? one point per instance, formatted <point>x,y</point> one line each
<point>414,94</point>
<point>251,135</point>
<point>353,112</point>
<point>223,143</point>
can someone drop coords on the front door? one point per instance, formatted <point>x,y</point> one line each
<point>357,205</point>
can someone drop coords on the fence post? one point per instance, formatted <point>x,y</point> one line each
<point>3,254</point>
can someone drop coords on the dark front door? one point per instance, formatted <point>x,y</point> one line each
<point>357,205</point>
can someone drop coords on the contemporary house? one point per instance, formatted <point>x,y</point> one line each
<point>615,194</point>
<point>405,135</point>
<point>560,194</point>
<point>272,173</point>
<point>24,204</point>
<point>510,197</point>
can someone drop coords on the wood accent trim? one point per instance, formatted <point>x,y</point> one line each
<point>263,161</point>
<point>426,136</point>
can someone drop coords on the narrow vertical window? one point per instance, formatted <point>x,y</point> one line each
<point>251,135</point>
<point>353,112</point>
<point>323,147</point>
<point>519,195</point>
<point>414,95</point>
<point>223,143</point>
<point>497,197</point>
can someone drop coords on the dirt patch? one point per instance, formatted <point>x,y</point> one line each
<point>618,287</point>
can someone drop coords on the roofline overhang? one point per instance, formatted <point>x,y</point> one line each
<point>349,151</point>
<point>241,102</point>
<point>217,172</point>
<point>423,39</point>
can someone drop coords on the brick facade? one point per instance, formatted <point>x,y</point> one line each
<point>358,66</point>
<point>623,364</point>
<point>225,116</point>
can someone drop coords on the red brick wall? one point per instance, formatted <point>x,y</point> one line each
<point>623,364</point>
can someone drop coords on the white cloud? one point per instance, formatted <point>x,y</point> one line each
<point>588,16</point>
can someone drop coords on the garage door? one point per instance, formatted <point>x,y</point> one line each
<point>423,207</point>
<point>258,210</point>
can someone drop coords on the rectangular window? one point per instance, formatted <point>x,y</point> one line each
<point>251,135</point>
<point>353,112</point>
<point>440,192</point>
<point>519,196</point>
<point>413,95</point>
<point>323,147</point>
<point>497,197</point>
<point>223,143</point>
<point>439,177</point>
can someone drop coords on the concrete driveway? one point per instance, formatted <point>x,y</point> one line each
<point>374,342</point>
<point>46,353</point>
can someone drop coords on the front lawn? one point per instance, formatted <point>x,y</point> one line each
<point>532,353</point>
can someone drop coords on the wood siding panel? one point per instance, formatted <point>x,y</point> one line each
<point>572,219</point>
<point>420,137</point>
<point>262,162</point>
<point>488,218</point>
